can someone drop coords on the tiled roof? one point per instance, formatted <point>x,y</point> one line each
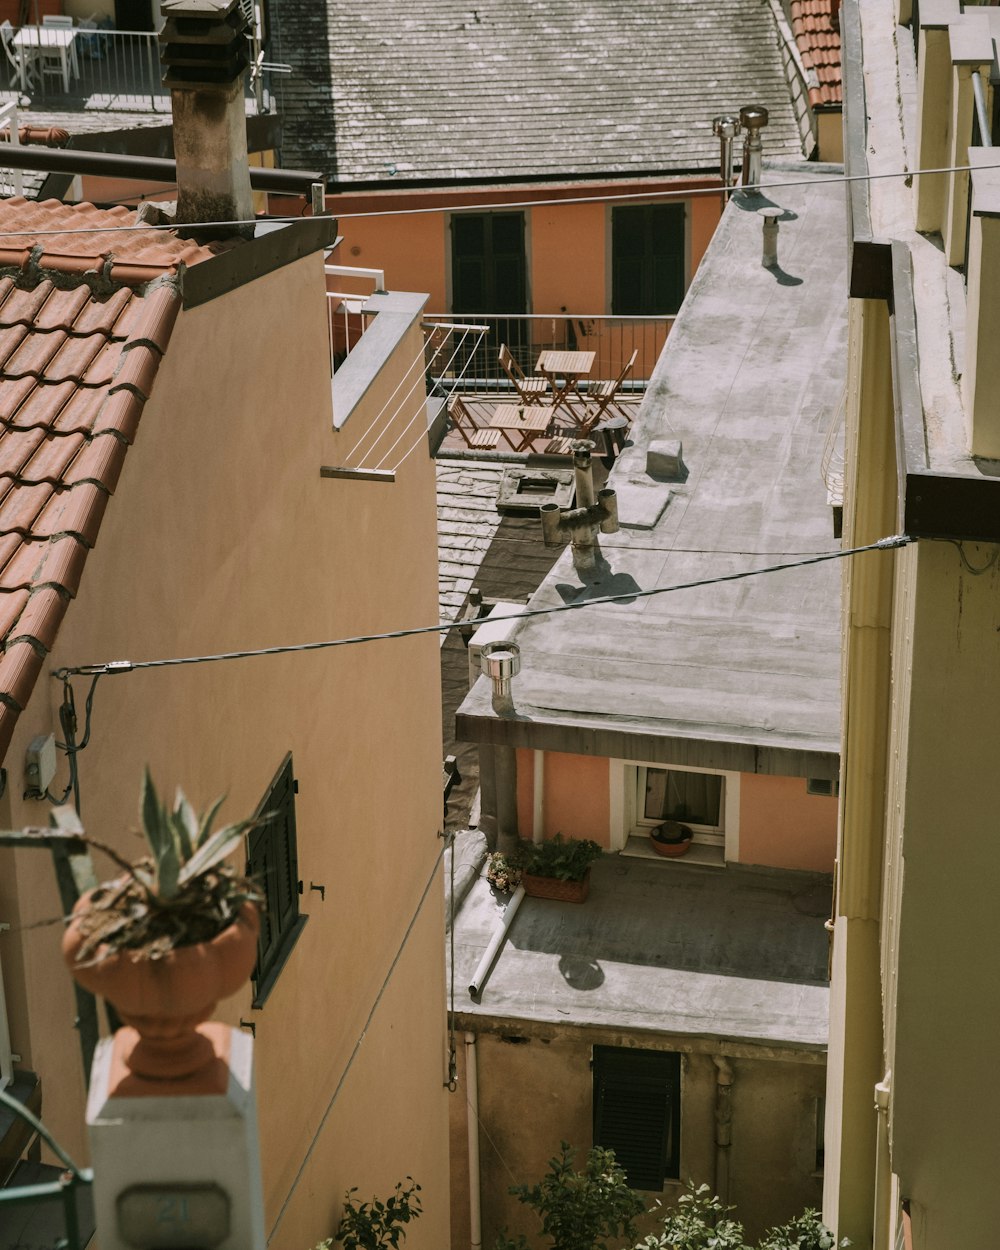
<point>496,89</point>
<point>816,27</point>
<point>84,322</point>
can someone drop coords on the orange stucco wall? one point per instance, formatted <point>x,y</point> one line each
<point>784,827</point>
<point>577,795</point>
<point>568,245</point>
<point>223,535</point>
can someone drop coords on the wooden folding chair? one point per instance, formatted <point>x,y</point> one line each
<point>606,394</point>
<point>463,421</point>
<point>531,390</point>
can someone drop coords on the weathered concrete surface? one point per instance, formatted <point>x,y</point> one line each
<point>750,381</point>
<point>739,954</point>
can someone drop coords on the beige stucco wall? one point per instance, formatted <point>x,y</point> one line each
<point>942,1006</point>
<point>222,535</point>
<point>536,1091</point>
<point>783,826</point>
<point>831,135</point>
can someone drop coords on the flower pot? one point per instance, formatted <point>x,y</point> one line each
<point>164,1000</point>
<point>671,839</point>
<point>553,887</point>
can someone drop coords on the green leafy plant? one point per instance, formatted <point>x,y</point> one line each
<point>375,1225</point>
<point>583,1210</point>
<point>700,1221</point>
<point>564,858</point>
<point>180,894</point>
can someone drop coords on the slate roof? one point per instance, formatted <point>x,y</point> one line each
<point>488,90</point>
<point>84,322</point>
<point>816,27</point>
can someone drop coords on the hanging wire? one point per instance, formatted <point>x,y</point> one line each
<point>129,666</point>
<point>357,1045</point>
<point>374,421</point>
<point>72,748</point>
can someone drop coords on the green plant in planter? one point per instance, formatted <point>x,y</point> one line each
<point>377,1225</point>
<point>181,894</point>
<point>566,859</point>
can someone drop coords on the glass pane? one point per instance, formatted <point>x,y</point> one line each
<point>694,798</point>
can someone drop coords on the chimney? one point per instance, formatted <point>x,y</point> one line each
<point>203,48</point>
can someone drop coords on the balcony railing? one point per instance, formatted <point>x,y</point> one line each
<point>612,339</point>
<point>108,69</point>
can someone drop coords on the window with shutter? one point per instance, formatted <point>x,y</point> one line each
<point>637,1112</point>
<point>272,861</point>
<point>647,259</point>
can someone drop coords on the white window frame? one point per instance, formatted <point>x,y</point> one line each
<point>626,819</point>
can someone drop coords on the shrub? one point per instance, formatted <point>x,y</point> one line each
<point>377,1225</point>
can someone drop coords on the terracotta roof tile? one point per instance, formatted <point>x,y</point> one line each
<point>40,620</point>
<point>77,369</point>
<point>78,511</point>
<point>815,25</point>
<point>12,604</point>
<point>19,667</point>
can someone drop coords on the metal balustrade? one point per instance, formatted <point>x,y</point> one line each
<point>612,339</point>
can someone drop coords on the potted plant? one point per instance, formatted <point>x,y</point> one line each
<point>167,938</point>
<point>558,867</point>
<point>671,838</point>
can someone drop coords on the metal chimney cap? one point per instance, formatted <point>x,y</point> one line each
<point>725,126</point>
<point>500,661</point>
<point>753,116</point>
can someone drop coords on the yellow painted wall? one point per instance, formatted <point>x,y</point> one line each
<point>941,995</point>
<point>783,826</point>
<point>222,535</point>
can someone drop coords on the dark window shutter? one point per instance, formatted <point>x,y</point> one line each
<point>647,259</point>
<point>637,1112</point>
<point>488,263</point>
<point>272,861</point>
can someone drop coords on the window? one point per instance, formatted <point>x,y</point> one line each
<point>637,1112</point>
<point>647,259</point>
<point>272,861</point>
<point>695,799</point>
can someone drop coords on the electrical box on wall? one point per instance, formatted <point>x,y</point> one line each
<point>39,766</point>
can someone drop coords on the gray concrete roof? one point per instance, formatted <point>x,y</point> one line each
<point>497,89</point>
<point>750,381</point>
<point>739,954</point>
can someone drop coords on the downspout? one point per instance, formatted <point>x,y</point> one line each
<point>723,1124</point>
<point>496,941</point>
<point>472,1103</point>
<point>883,1167</point>
<point>538,799</point>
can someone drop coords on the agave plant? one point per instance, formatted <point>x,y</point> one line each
<point>181,894</point>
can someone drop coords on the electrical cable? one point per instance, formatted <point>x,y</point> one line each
<point>129,666</point>
<point>357,1045</point>
<point>646,195</point>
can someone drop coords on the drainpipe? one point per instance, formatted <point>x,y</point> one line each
<point>723,1124</point>
<point>500,662</point>
<point>883,1168</point>
<point>538,799</point>
<point>496,941</point>
<point>472,1102</point>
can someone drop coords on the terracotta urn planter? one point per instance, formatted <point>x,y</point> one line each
<point>553,887</point>
<point>164,1000</point>
<point>671,839</point>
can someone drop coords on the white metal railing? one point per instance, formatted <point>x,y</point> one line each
<point>6,1058</point>
<point>611,339</point>
<point>346,320</point>
<point>11,180</point>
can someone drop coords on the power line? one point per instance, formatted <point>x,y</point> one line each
<point>646,195</point>
<point>357,1045</point>
<point>129,666</point>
